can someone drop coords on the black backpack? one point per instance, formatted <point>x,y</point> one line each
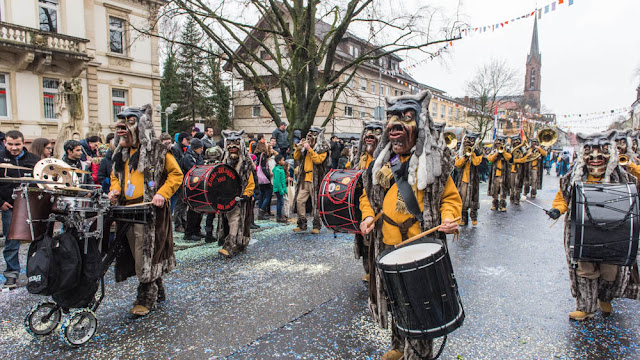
<point>53,264</point>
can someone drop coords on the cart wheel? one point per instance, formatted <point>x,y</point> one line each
<point>43,318</point>
<point>79,327</point>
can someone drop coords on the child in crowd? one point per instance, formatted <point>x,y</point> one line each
<point>279,186</point>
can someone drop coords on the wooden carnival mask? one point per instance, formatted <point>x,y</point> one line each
<point>371,136</point>
<point>403,117</point>
<point>596,152</point>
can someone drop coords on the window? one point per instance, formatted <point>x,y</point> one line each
<point>356,51</point>
<point>362,113</point>
<point>255,111</point>
<point>350,83</point>
<point>457,114</point>
<point>434,110</point>
<point>49,92</point>
<point>381,89</point>
<point>378,112</point>
<point>350,49</point>
<point>348,111</point>
<point>118,101</point>
<point>450,113</point>
<point>402,93</point>
<point>532,81</point>
<point>443,110</point>
<point>373,87</point>
<point>388,90</point>
<point>396,92</point>
<point>116,35</point>
<point>4,96</point>
<point>363,84</point>
<point>48,14</point>
<point>382,62</point>
<point>279,110</point>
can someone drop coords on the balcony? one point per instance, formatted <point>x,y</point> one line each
<point>24,48</point>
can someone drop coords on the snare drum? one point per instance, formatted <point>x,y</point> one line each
<point>66,204</point>
<point>338,200</point>
<point>604,223</point>
<point>135,214</point>
<point>40,208</point>
<point>211,188</point>
<point>423,294</point>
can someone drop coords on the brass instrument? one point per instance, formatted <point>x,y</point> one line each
<point>623,160</point>
<point>546,138</point>
<point>517,151</point>
<point>450,139</point>
<point>468,150</point>
<point>500,149</point>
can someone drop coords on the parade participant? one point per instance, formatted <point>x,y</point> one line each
<point>624,144</point>
<point>234,230</point>
<point>594,284</point>
<point>517,175</point>
<point>369,140</point>
<point>467,161</point>
<point>499,179</point>
<point>409,181</point>
<point>534,171</point>
<point>73,155</point>
<point>213,155</point>
<point>312,156</point>
<point>634,142</point>
<point>16,154</point>
<point>191,158</point>
<point>144,171</point>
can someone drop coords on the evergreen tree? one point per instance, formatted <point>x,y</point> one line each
<point>193,102</point>
<point>170,90</point>
<point>220,97</point>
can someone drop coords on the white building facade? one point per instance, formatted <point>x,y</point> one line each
<point>46,42</point>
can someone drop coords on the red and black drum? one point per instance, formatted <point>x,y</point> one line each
<point>421,288</point>
<point>212,188</point>
<point>338,200</point>
<point>605,223</point>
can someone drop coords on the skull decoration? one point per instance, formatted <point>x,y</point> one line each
<point>403,117</point>
<point>371,136</point>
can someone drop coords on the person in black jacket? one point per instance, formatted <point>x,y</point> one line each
<point>72,156</point>
<point>191,158</point>
<point>104,171</point>
<point>180,210</point>
<point>336,149</point>
<point>15,154</point>
<point>89,148</point>
<point>179,148</point>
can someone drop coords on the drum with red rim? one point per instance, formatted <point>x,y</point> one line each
<point>211,188</point>
<point>338,200</point>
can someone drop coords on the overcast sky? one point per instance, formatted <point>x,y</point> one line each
<point>590,51</point>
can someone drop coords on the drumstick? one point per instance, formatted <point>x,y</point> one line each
<point>374,220</point>
<point>139,204</point>
<point>422,234</point>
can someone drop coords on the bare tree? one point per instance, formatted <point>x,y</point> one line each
<point>293,46</point>
<point>493,84</point>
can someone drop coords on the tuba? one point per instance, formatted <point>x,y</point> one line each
<point>546,138</point>
<point>623,160</point>
<point>450,139</point>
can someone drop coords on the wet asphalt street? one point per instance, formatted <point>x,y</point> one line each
<point>294,296</point>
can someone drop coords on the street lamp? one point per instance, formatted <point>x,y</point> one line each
<point>168,111</point>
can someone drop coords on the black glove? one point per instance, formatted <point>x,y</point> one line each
<point>245,198</point>
<point>553,213</point>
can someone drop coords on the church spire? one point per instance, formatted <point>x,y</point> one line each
<point>535,49</point>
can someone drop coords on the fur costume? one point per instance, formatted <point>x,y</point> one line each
<point>470,191</point>
<point>518,172</point>
<point>321,146</point>
<point>158,252</point>
<point>498,186</point>
<point>627,283</point>
<point>235,243</point>
<point>627,137</point>
<point>429,170</point>
<point>534,170</point>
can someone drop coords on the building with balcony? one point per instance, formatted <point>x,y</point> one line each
<point>45,43</point>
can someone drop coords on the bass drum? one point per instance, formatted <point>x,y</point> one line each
<point>211,188</point>
<point>40,205</point>
<point>422,290</point>
<point>604,223</point>
<point>338,200</point>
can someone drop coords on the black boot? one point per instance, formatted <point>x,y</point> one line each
<point>162,294</point>
<point>209,238</point>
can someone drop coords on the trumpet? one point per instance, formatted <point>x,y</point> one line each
<point>468,150</point>
<point>500,149</point>
<point>450,139</point>
<point>623,160</point>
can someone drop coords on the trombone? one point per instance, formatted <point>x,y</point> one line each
<point>450,139</point>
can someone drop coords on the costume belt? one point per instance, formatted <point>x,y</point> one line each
<point>403,227</point>
<point>137,200</point>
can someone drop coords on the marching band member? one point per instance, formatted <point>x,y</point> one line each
<point>499,178</point>
<point>534,171</point>
<point>468,159</point>
<point>369,140</point>
<point>517,175</point>
<point>144,171</point>
<point>234,230</point>
<point>312,157</point>
<point>409,180</point>
<point>594,284</point>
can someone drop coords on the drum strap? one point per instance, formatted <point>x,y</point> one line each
<point>399,170</point>
<point>403,227</point>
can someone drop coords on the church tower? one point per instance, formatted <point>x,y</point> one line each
<point>533,75</point>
